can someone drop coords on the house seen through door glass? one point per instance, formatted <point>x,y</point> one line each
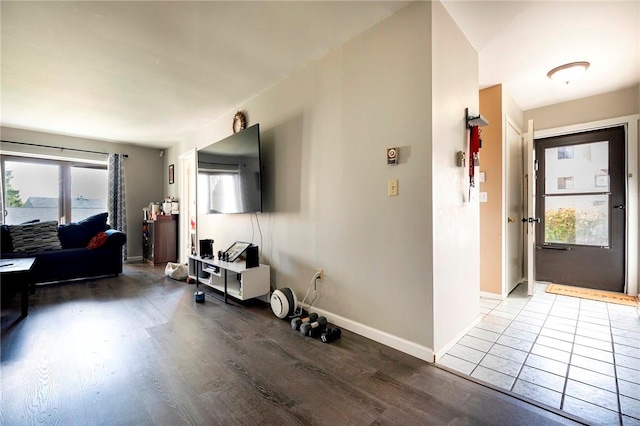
<point>52,190</point>
<point>577,194</point>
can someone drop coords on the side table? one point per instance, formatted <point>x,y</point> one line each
<point>19,271</point>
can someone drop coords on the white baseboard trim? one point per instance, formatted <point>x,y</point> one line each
<point>453,341</point>
<point>379,336</point>
<point>133,259</point>
<point>495,296</point>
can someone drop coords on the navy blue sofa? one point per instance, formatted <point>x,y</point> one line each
<point>74,259</point>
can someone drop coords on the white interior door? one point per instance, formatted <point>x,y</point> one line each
<point>530,200</point>
<point>513,206</point>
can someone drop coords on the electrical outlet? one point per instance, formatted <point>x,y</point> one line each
<point>320,274</point>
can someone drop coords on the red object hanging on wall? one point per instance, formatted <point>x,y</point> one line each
<point>474,150</point>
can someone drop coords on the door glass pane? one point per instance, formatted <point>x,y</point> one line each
<point>31,192</point>
<point>577,169</point>
<point>88,192</point>
<point>577,219</point>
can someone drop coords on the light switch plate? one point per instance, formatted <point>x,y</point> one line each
<point>392,187</point>
<point>482,177</point>
<point>482,197</point>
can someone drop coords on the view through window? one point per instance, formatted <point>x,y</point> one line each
<point>52,190</point>
<point>576,200</point>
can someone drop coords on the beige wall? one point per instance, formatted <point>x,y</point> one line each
<point>324,133</point>
<point>455,223</point>
<point>143,171</point>
<point>497,106</point>
<point>491,212</point>
<point>609,105</point>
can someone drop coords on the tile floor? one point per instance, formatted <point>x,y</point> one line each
<point>577,355</point>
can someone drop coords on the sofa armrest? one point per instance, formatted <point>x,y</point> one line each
<point>115,238</point>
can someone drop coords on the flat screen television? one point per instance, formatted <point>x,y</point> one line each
<point>229,174</point>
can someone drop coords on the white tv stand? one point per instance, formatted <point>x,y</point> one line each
<point>231,278</point>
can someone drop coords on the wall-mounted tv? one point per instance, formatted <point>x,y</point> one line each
<point>229,174</point>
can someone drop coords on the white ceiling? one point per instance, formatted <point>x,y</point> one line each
<point>519,42</point>
<point>151,72</point>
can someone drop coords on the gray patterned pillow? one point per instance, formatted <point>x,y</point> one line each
<point>35,237</point>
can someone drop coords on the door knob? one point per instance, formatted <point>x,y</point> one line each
<point>619,206</point>
<point>510,220</point>
<point>530,219</point>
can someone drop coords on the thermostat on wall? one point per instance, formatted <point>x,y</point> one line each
<point>392,156</point>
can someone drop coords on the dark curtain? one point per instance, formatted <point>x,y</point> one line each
<point>116,203</point>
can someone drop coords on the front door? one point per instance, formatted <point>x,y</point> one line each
<point>581,204</point>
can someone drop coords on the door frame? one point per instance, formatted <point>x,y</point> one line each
<point>187,171</point>
<point>507,176</point>
<point>529,203</point>
<point>630,122</point>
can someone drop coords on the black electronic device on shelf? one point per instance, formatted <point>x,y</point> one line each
<point>252,257</point>
<point>206,249</point>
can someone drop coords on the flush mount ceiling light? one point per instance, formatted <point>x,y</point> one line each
<point>568,72</point>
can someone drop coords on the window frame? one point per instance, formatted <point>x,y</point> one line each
<point>64,180</point>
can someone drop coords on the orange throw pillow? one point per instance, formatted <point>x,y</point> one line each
<point>97,241</point>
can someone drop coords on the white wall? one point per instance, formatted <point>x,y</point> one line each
<point>455,223</point>
<point>512,110</point>
<point>324,132</point>
<point>142,171</point>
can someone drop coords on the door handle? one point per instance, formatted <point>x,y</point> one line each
<point>530,219</point>
<point>511,220</point>
<point>555,248</point>
<point>619,206</point>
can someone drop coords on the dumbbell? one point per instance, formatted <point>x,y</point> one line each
<point>307,327</point>
<point>331,334</point>
<point>317,332</point>
<point>297,321</point>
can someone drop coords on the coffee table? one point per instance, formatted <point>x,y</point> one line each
<point>19,271</point>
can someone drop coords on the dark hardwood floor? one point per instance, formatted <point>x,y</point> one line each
<point>136,349</point>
